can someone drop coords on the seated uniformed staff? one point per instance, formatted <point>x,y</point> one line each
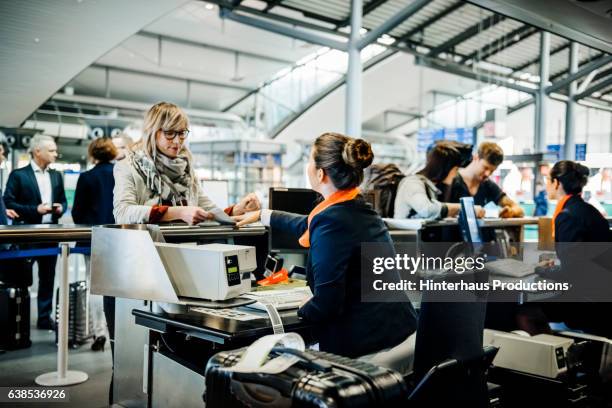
<point>417,195</point>
<point>575,220</point>
<point>473,180</point>
<point>334,231</point>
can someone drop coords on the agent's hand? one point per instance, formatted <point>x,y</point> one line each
<point>247,218</point>
<point>43,209</point>
<point>12,214</point>
<point>480,212</point>
<point>249,203</point>
<point>57,208</point>
<point>547,263</point>
<point>511,212</point>
<point>192,215</point>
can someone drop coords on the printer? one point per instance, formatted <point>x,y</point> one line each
<point>542,354</point>
<point>208,272</point>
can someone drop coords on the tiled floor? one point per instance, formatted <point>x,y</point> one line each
<point>21,367</point>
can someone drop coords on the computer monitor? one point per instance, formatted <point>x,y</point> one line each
<point>469,224</point>
<point>295,200</point>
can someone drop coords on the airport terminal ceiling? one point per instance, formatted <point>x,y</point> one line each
<point>214,55</point>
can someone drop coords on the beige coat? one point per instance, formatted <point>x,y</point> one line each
<point>131,197</point>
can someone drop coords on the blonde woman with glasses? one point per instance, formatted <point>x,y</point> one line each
<point>156,182</point>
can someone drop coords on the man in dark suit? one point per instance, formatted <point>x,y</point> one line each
<point>36,193</point>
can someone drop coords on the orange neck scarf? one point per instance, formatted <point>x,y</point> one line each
<point>558,210</point>
<point>338,197</point>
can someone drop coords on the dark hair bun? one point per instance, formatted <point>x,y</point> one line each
<point>357,153</point>
<point>572,176</point>
<point>582,170</point>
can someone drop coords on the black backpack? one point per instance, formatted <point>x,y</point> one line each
<point>381,181</point>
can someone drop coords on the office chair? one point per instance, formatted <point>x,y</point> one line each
<point>437,377</point>
<point>449,342</point>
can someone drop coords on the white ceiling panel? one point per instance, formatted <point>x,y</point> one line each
<point>46,43</point>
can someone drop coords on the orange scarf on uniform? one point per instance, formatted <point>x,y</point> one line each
<point>338,197</point>
<point>558,210</point>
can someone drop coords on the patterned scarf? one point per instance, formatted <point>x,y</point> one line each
<point>169,179</point>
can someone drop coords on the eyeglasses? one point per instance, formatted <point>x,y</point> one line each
<point>171,134</point>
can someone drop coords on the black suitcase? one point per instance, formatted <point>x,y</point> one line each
<point>79,322</point>
<point>14,318</point>
<point>318,380</point>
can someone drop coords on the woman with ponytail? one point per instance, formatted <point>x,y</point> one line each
<point>343,322</point>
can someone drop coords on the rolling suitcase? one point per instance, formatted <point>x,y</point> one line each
<point>318,380</point>
<point>79,323</point>
<point>14,318</point>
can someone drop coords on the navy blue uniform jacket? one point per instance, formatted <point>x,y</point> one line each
<point>22,195</point>
<point>343,324</point>
<point>93,198</point>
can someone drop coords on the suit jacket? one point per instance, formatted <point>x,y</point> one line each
<point>579,221</point>
<point>22,194</point>
<point>343,323</point>
<point>93,198</point>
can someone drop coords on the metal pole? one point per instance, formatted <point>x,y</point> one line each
<point>540,117</point>
<point>353,75</point>
<point>570,141</point>
<point>64,311</point>
<point>62,376</point>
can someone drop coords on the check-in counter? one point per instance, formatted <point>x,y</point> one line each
<point>447,230</point>
<point>156,348</point>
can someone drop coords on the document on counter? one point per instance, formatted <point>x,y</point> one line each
<point>404,224</point>
<point>491,210</point>
<point>230,313</point>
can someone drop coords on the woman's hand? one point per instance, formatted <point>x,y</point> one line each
<point>191,215</point>
<point>250,202</point>
<point>247,218</point>
<point>480,212</point>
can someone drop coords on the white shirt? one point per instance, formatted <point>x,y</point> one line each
<point>43,179</point>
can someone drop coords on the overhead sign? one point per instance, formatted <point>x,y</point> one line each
<point>427,137</point>
<point>559,150</point>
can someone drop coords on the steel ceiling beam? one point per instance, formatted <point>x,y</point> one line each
<point>310,14</point>
<point>395,20</point>
<point>467,34</point>
<point>369,7</point>
<point>432,20</point>
<point>264,24</point>
<point>594,88</point>
<point>502,43</point>
<point>585,70</point>
<point>223,4</point>
<point>536,60</point>
<point>467,72</point>
<point>558,75</point>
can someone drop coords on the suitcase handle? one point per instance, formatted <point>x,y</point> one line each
<point>312,363</point>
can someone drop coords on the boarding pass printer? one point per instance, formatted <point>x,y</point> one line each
<point>211,272</point>
<point>127,263</point>
<point>542,354</point>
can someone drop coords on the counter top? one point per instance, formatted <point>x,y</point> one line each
<point>54,233</point>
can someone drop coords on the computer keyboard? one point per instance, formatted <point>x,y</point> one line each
<point>510,267</point>
<point>281,299</point>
